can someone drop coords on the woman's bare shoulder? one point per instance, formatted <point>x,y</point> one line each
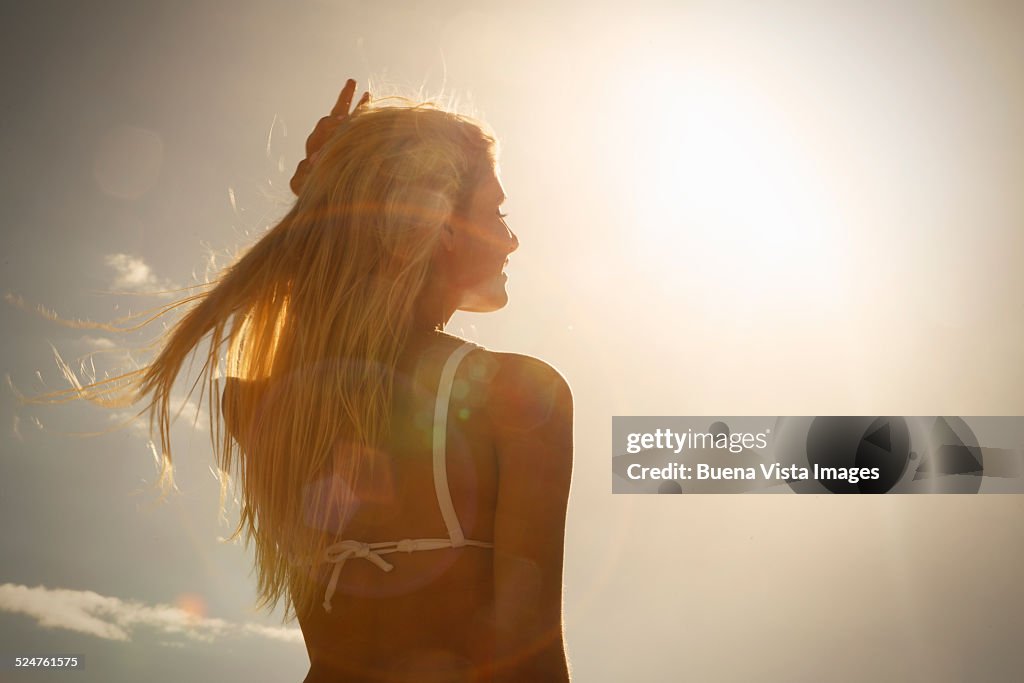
<point>521,370</point>
<point>523,391</point>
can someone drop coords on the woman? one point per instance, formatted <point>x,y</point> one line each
<point>406,490</point>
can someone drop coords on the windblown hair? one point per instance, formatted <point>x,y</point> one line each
<point>311,321</point>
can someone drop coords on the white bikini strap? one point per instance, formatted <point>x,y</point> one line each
<point>344,550</point>
<point>444,496</point>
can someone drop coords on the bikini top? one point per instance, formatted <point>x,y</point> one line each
<point>341,551</point>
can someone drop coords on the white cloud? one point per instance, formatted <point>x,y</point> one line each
<point>98,342</point>
<point>190,414</point>
<point>288,635</point>
<point>133,274</point>
<point>115,619</point>
<point>139,426</point>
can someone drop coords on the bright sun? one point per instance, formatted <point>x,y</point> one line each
<point>726,195</point>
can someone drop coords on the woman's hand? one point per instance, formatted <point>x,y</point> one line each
<point>323,130</point>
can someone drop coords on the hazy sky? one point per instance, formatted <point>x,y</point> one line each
<point>724,209</point>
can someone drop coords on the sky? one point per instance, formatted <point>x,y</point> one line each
<point>776,208</point>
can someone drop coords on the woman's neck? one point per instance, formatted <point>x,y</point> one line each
<point>434,308</point>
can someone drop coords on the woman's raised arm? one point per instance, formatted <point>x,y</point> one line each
<point>530,410</point>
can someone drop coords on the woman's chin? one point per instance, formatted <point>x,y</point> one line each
<point>493,299</point>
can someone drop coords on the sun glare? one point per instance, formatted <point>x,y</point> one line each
<point>725,194</point>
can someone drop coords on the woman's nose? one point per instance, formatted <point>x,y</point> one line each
<point>513,240</point>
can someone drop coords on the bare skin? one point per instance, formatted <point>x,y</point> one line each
<point>470,613</point>
<point>455,614</point>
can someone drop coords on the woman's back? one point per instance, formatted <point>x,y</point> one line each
<point>436,615</point>
<point>435,608</point>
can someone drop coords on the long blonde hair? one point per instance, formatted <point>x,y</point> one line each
<point>311,321</point>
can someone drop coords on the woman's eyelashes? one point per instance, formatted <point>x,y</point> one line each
<point>502,215</point>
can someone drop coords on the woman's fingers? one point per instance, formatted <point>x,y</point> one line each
<point>341,107</point>
<point>323,130</point>
<point>326,126</point>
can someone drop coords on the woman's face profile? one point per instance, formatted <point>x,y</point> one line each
<point>481,244</point>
